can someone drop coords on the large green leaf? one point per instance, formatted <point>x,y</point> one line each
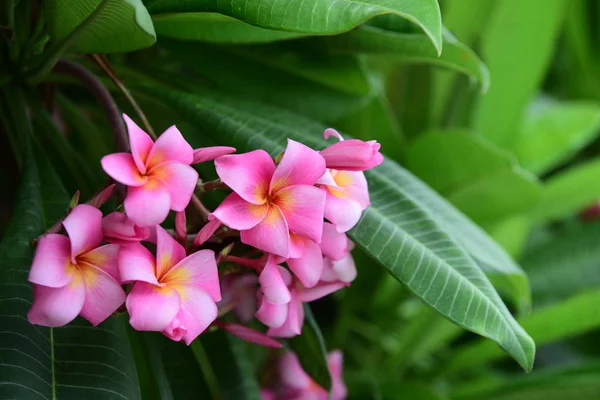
<point>576,315</point>
<point>315,17</point>
<point>564,264</point>
<point>403,235</point>
<point>215,28</point>
<point>554,131</point>
<point>75,361</point>
<point>568,192</point>
<point>124,25</point>
<point>410,48</point>
<point>517,46</point>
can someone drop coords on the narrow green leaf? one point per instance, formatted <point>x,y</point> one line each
<point>123,25</point>
<point>215,28</point>
<point>568,192</point>
<point>398,230</point>
<point>311,351</point>
<point>315,17</point>
<point>517,46</point>
<point>75,361</point>
<point>552,132</point>
<point>410,48</point>
<point>577,315</point>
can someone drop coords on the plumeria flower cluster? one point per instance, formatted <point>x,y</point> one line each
<point>287,219</point>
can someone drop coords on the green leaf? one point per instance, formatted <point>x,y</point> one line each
<point>403,235</point>
<point>552,132</point>
<point>315,17</point>
<point>577,315</point>
<point>568,192</point>
<point>517,47</point>
<point>231,365</point>
<point>215,28</point>
<point>124,25</point>
<point>311,351</point>
<point>75,361</point>
<point>565,264</point>
<point>410,48</point>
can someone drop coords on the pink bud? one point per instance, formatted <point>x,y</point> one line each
<point>206,232</point>
<point>353,155</point>
<point>248,334</point>
<point>117,228</point>
<point>210,153</point>
<point>102,197</point>
<point>180,226</point>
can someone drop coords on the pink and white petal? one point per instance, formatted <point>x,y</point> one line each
<point>247,174</point>
<point>152,308</point>
<point>84,227</point>
<point>329,132</point>
<point>297,245</point>
<point>355,187</point>
<point>300,165</point>
<point>180,226</point>
<point>309,267</point>
<point>293,323</point>
<point>207,231</point>
<point>334,245</point>
<point>117,224</point>
<point>344,214</point>
<point>104,258</point>
<point>328,275</point>
<point>175,331</point>
<point>291,373</point>
<point>210,153</point>
<point>250,335</point>
<point>180,181</point>
<point>168,252</point>
<point>122,168</point>
<point>103,295</point>
<point>140,143</point>
<point>237,213</point>
<point>170,146</point>
<point>272,315</point>
<point>57,306</point>
<point>321,290</point>
<point>327,179</point>
<point>245,308</point>
<point>271,234</point>
<point>272,284</point>
<point>335,361</point>
<point>137,264</point>
<point>52,261</point>
<point>148,205</point>
<point>345,269</point>
<point>198,270</point>
<point>198,311</point>
<point>303,208</point>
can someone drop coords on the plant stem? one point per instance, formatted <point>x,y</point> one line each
<point>246,262</point>
<point>203,211</point>
<point>211,185</point>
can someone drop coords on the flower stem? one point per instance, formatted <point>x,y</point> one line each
<point>246,262</point>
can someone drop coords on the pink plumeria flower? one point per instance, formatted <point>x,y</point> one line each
<point>239,293</point>
<point>338,264</point>
<point>271,201</point>
<point>352,154</point>
<point>173,294</point>
<point>296,384</point>
<point>74,275</point>
<point>117,228</point>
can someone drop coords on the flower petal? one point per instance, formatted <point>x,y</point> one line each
<point>344,269</point>
<point>170,146</point>
<point>270,235</point>
<point>136,263</point>
<point>122,168</point>
<point>335,361</point>
<point>272,315</point>
<point>303,208</point>
<point>237,213</point>
<point>300,165</point>
<point>211,153</point>
<point>207,231</point>
<point>354,185</point>
<point>291,373</point>
<point>104,258</point>
<point>353,155</point>
<point>180,226</point>
<point>103,295</point>
<point>117,228</point>
<point>247,174</point>
<point>148,205</point>
<point>344,214</point>
<point>84,226</point>
<point>198,311</point>
<point>319,291</point>
<point>272,284</point>
<point>168,252</point>
<point>152,308</point>
<point>57,306</point>
<point>309,266</point>
<point>198,270</point>
<point>329,132</point>
<point>180,181</point>
<point>250,335</point>
<point>293,324</point>
<point>334,244</point>
<point>327,179</point>
<point>140,143</point>
<point>52,262</point>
